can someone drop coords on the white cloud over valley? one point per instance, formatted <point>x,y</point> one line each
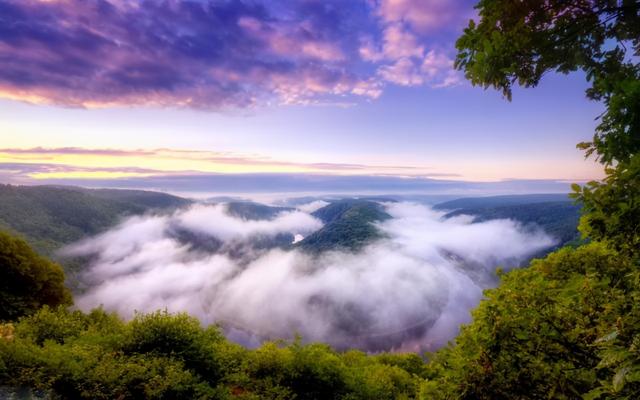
<point>410,290</point>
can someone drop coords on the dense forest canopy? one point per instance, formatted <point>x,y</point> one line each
<point>569,325</point>
<point>49,217</point>
<point>27,280</point>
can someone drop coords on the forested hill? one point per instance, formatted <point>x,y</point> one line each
<point>248,210</point>
<point>136,200</point>
<point>348,224</point>
<point>556,214</point>
<point>49,217</point>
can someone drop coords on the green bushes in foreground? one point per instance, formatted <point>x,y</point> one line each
<point>69,354</point>
<point>567,327</point>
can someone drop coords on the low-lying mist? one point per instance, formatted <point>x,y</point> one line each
<point>408,291</point>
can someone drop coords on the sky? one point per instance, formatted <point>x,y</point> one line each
<point>154,94</point>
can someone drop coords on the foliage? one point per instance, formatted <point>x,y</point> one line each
<point>27,281</point>
<point>569,325</point>
<point>49,217</point>
<point>69,354</point>
<point>562,328</point>
<point>179,337</point>
<point>518,42</point>
<point>348,225</point>
<point>612,207</point>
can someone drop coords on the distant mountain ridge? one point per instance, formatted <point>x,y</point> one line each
<point>50,217</point>
<point>556,214</point>
<point>503,200</point>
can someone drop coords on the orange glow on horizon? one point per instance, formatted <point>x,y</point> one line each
<point>143,163</point>
<point>84,163</point>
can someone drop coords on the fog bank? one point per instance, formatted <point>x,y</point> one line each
<point>410,290</point>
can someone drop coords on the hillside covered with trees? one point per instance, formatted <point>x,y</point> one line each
<point>557,215</point>
<point>348,224</point>
<point>49,217</point>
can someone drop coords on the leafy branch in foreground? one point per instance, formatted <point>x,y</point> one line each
<point>517,42</point>
<point>568,326</point>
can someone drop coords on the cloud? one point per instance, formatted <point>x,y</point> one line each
<point>204,184</point>
<point>210,54</point>
<point>403,72</point>
<point>408,291</point>
<point>24,172</point>
<point>403,55</point>
<point>312,206</point>
<point>227,227</point>
<point>434,69</point>
<point>400,43</point>
<point>75,159</point>
<point>425,15</point>
<point>76,151</point>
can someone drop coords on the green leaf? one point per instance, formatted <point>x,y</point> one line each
<point>607,337</point>
<point>595,393</point>
<point>619,379</point>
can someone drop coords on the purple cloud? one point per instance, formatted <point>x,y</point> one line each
<point>214,54</point>
<point>76,150</point>
<point>21,173</point>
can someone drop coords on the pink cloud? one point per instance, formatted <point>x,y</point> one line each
<point>370,88</point>
<point>400,43</point>
<point>287,40</point>
<point>403,72</point>
<point>439,70</point>
<point>421,15</point>
<point>215,55</point>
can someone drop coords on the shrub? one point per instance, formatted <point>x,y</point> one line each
<point>27,281</point>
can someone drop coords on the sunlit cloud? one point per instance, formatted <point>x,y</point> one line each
<point>216,55</point>
<point>424,15</point>
<point>169,168</point>
<point>73,162</point>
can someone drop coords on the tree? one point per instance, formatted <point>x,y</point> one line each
<point>565,327</point>
<point>71,354</point>
<point>569,325</point>
<point>27,281</point>
<point>517,42</point>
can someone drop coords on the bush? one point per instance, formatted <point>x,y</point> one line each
<point>178,337</point>
<point>27,281</point>
<point>562,328</point>
<point>70,354</point>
